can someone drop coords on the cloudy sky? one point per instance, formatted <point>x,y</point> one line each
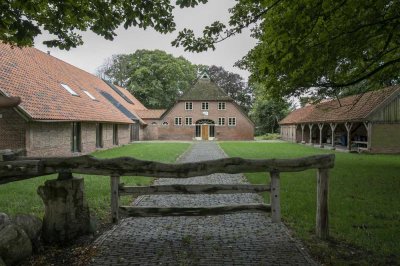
<point>96,49</point>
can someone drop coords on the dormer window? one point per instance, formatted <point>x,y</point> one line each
<point>67,88</point>
<point>89,95</point>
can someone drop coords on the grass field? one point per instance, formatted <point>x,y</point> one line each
<point>21,197</point>
<point>364,202</point>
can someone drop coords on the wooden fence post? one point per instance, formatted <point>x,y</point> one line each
<point>275,197</point>
<point>322,218</point>
<point>114,198</point>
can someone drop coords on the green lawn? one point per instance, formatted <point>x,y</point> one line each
<point>21,197</point>
<point>364,202</point>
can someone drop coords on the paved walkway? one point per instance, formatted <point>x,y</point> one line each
<point>243,238</point>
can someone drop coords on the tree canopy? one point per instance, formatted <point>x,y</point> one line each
<point>325,45</point>
<point>156,78</point>
<point>22,20</point>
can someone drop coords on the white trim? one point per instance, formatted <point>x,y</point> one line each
<point>90,95</point>
<point>191,120</point>
<point>67,88</point>
<point>229,122</point>
<point>191,105</point>
<point>207,104</point>
<point>221,103</point>
<point>179,121</point>
<point>219,124</point>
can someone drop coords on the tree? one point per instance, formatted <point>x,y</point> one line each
<point>326,45</point>
<point>22,20</point>
<point>156,78</point>
<point>234,85</point>
<point>267,113</point>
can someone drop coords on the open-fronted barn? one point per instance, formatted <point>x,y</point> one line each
<point>365,122</point>
<point>64,110</point>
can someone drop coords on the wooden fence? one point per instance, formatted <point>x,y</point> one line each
<point>14,169</point>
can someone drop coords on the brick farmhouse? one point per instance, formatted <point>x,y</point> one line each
<point>66,111</point>
<point>204,112</point>
<point>367,122</point>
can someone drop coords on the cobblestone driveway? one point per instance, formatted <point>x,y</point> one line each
<point>234,239</point>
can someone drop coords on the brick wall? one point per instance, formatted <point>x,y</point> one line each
<point>385,138</point>
<point>243,130</point>
<point>12,130</point>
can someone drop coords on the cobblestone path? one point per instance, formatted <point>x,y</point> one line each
<point>243,238</point>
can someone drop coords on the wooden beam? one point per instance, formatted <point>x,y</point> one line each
<point>302,133</point>
<point>333,128</point>
<point>348,126</point>
<point>114,198</point>
<point>192,189</point>
<point>128,166</point>
<point>322,218</point>
<point>310,126</point>
<point>321,127</point>
<point>139,211</point>
<point>275,197</point>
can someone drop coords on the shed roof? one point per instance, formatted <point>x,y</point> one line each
<point>351,108</point>
<point>151,113</point>
<point>36,77</point>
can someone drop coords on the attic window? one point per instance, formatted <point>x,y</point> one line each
<point>67,88</point>
<point>90,95</point>
<point>205,76</point>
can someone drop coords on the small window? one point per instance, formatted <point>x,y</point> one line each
<point>115,134</point>
<point>90,95</point>
<point>204,106</point>
<point>232,121</point>
<point>165,123</point>
<point>178,121</point>
<point>188,121</point>
<point>221,106</point>
<point>198,131</point>
<point>188,106</point>
<point>67,88</point>
<point>99,135</point>
<point>154,123</point>
<point>221,121</point>
<point>76,137</point>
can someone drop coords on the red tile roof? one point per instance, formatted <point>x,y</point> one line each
<point>151,113</point>
<point>36,77</point>
<point>352,108</point>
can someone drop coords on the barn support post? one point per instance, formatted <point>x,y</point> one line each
<point>67,214</point>
<point>275,197</point>
<point>322,217</point>
<point>115,198</point>
<point>333,128</point>
<point>310,126</point>
<point>348,126</point>
<point>302,133</point>
<point>321,127</point>
<point>368,128</point>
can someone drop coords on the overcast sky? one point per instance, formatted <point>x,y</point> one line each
<point>96,49</point>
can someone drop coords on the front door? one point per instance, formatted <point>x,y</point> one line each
<point>204,132</point>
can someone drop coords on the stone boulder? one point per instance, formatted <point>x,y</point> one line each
<point>32,226</point>
<point>4,219</point>
<point>15,244</point>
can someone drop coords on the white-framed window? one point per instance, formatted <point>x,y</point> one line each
<point>188,121</point>
<point>178,121</point>
<point>204,106</point>
<point>232,121</point>
<point>68,88</point>
<point>221,121</point>
<point>221,105</point>
<point>89,95</point>
<point>188,106</point>
<point>165,123</point>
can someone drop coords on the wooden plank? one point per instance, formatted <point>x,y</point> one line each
<point>322,219</point>
<point>275,197</point>
<point>129,166</point>
<point>193,189</point>
<point>139,211</point>
<point>114,198</point>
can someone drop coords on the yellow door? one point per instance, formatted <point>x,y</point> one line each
<point>204,132</point>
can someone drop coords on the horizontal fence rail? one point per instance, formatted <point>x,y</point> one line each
<point>25,168</point>
<point>14,168</point>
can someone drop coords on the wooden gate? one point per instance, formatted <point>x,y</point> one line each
<point>14,169</point>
